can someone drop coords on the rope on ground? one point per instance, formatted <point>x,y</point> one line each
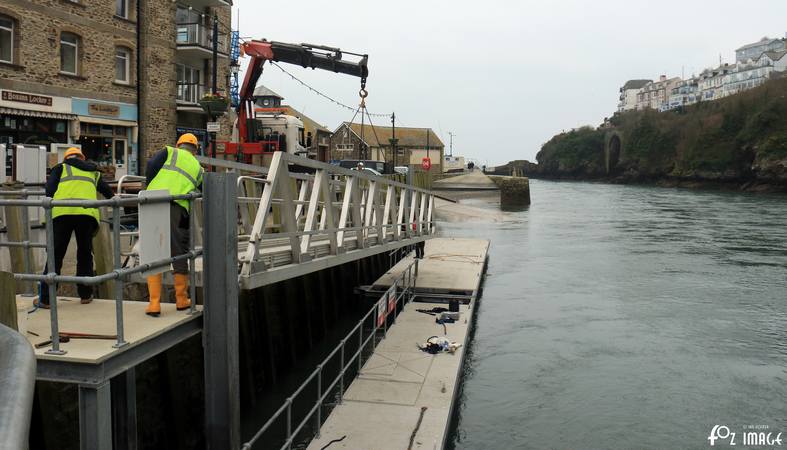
<point>417,426</point>
<point>332,442</point>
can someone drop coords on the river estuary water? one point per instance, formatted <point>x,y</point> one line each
<point>628,317</point>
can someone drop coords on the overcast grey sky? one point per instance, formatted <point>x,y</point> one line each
<point>504,76</point>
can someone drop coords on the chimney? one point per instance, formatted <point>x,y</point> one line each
<point>663,78</point>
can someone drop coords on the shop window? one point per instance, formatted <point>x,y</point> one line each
<point>69,53</point>
<point>122,65</point>
<point>7,39</point>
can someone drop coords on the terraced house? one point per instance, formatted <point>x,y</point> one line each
<point>106,75</point>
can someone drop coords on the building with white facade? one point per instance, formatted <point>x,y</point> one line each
<point>628,94</point>
<point>711,82</point>
<point>778,59</point>
<point>685,92</point>
<point>755,49</point>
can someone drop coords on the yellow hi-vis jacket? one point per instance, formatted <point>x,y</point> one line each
<point>180,174</point>
<point>76,184</point>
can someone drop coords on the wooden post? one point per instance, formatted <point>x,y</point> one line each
<point>8,300</point>
<point>18,229</point>
<point>102,257</point>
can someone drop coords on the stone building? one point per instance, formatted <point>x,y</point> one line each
<point>353,141</point>
<point>70,73</point>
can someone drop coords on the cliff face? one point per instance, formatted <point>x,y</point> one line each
<point>740,139</point>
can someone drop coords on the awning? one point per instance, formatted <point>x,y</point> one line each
<point>29,113</point>
<point>103,121</point>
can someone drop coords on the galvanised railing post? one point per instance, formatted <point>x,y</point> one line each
<point>192,259</point>
<point>28,286</point>
<point>360,345</point>
<point>51,273</point>
<point>289,422</point>
<point>319,399</point>
<point>119,282</point>
<point>341,372</point>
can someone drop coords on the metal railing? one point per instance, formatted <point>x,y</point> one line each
<point>190,92</point>
<point>119,274</point>
<point>200,35</point>
<point>17,383</point>
<point>327,212</point>
<point>382,312</point>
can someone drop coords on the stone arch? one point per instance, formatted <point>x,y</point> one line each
<point>613,149</point>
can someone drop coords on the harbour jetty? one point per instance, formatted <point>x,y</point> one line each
<point>513,191</point>
<point>403,397</point>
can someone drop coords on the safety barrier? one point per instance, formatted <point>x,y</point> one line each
<point>17,382</point>
<point>381,313</point>
<point>119,275</point>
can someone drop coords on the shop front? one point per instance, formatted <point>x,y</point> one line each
<point>34,119</point>
<point>107,133</point>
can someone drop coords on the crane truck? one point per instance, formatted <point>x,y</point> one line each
<point>261,134</point>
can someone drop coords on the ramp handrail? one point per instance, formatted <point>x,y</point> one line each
<point>17,383</point>
<point>402,290</point>
<point>120,274</point>
<point>349,209</point>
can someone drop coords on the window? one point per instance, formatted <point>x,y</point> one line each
<point>121,8</point>
<point>69,53</point>
<point>6,39</point>
<point>189,88</point>
<point>122,65</point>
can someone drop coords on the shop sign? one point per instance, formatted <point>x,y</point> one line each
<point>32,99</point>
<point>103,109</point>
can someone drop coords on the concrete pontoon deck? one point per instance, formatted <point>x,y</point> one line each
<point>450,266</point>
<point>381,408</point>
<point>143,334</point>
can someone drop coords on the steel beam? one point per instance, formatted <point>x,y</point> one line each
<point>280,273</point>
<point>220,337</point>
<point>53,368</point>
<point>124,410</point>
<point>95,420</point>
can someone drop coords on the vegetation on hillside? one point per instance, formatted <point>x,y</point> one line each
<point>739,138</point>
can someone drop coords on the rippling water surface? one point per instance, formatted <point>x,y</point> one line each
<point>628,317</point>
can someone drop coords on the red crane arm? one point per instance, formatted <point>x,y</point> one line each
<point>304,55</point>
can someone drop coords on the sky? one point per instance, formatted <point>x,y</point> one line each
<point>503,76</point>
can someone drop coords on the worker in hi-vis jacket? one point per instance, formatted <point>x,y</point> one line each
<point>74,179</point>
<point>176,170</point>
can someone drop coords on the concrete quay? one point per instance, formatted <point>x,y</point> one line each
<point>403,394</point>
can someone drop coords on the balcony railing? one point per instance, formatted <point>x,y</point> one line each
<point>200,35</point>
<point>190,92</point>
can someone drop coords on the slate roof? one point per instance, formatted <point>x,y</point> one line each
<point>262,91</point>
<point>635,84</point>
<point>408,137</point>
<point>765,40</point>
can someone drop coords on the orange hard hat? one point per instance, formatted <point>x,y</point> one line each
<point>73,151</point>
<point>188,138</point>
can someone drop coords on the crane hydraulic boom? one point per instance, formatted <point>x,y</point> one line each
<point>304,55</point>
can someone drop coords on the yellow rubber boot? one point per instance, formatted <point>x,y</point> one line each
<point>182,291</point>
<point>154,289</point>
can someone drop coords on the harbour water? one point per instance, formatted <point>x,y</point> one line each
<point>628,317</point>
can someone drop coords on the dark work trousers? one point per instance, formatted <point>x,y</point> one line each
<point>419,249</point>
<point>179,236</point>
<point>84,227</point>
